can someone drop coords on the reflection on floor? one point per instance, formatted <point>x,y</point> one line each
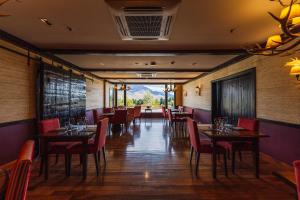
<point>145,163</point>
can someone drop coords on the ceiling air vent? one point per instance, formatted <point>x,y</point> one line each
<point>144,20</point>
<point>146,75</point>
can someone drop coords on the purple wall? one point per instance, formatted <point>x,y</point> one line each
<point>283,143</point>
<point>13,135</point>
<point>200,115</point>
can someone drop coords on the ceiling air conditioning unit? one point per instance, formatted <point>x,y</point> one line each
<point>146,75</point>
<point>144,19</point>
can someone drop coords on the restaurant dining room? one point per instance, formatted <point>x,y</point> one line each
<point>150,99</point>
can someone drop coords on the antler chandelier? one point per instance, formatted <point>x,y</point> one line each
<point>289,22</point>
<point>122,87</point>
<point>171,87</point>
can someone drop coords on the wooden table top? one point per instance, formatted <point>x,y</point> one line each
<point>87,132</point>
<point>207,130</point>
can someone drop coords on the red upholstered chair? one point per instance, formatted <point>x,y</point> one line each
<point>120,117</point>
<point>297,176</point>
<point>20,174</point>
<point>174,121</point>
<point>96,115</point>
<point>108,110</point>
<point>130,117</point>
<point>94,147</point>
<point>137,113</point>
<point>55,147</point>
<point>164,113</point>
<point>201,146</point>
<point>233,147</point>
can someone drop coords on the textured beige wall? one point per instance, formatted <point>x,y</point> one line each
<point>278,94</point>
<point>94,94</point>
<point>17,86</point>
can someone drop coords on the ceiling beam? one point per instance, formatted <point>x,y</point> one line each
<point>144,70</point>
<point>147,52</point>
<point>154,78</point>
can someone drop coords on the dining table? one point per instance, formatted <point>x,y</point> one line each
<point>234,134</point>
<point>74,134</point>
<point>181,114</point>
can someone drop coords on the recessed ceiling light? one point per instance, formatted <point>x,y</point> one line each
<point>173,62</point>
<point>194,64</point>
<point>45,20</point>
<point>101,63</point>
<point>136,63</point>
<point>152,63</point>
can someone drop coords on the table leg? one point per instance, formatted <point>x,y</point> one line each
<point>46,157</point>
<point>85,159</point>
<point>214,159</point>
<point>256,152</point>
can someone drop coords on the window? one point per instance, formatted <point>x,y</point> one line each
<point>120,96</point>
<point>146,95</point>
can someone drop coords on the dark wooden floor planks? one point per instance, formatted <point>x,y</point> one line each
<point>146,164</point>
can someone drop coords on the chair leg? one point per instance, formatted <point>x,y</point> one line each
<point>104,156</point>
<point>42,165</point>
<point>96,163</point>
<point>197,161</point>
<point>56,158</point>
<point>225,164</point>
<point>70,164</point>
<point>66,165</point>
<point>99,156</point>
<point>191,155</point>
<point>233,161</point>
<point>240,155</point>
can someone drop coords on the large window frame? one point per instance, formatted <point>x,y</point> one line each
<point>116,93</point>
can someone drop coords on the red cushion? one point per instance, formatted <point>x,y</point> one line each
<point>248,124</point>
<point>297,176</point>
<point>48,125</point>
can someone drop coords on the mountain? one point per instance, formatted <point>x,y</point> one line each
<point>138,91</point>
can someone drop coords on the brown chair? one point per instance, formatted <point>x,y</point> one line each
<point>20,174</point>
<point>297,176</point>
<point>120,117</point>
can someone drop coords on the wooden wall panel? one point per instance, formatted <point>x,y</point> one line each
<point>17,87</point>
<point>178,95</point>
<point>94,94</point>
<point>277,93</point>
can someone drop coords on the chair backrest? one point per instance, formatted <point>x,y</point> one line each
<point>96,116</point>
<point>101,131</point>
<point>170,115</point>
<point>248,124</point>
<point>130,114</point>
<point>163,110</point>
<point>297,176</point>
<point>189,110</point>
<point>120,116</point>
<point>137,111</point>
<point>48,125</point>
<point>193,132</point>
<point>107,110</point>
<point>19,178</point>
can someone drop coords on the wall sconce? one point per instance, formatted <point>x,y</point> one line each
<point>295,68</point>
<point>198,90</point>
<point>185,93</point>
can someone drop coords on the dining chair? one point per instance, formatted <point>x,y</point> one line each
<point>20,173</point>
<point>120,118</point>
<point>137,113</point>
<point>202,146</point>
<point>97,116</point>
<point>297,176</point>
<point>108,110</point>
<point>94,146</point>
<point>174,122</point>
<point>54,147</point>
<point>233,147</point>
<point>164,114</point>
<point>130,117</point>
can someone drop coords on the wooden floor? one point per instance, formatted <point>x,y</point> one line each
<point>145,164</point>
